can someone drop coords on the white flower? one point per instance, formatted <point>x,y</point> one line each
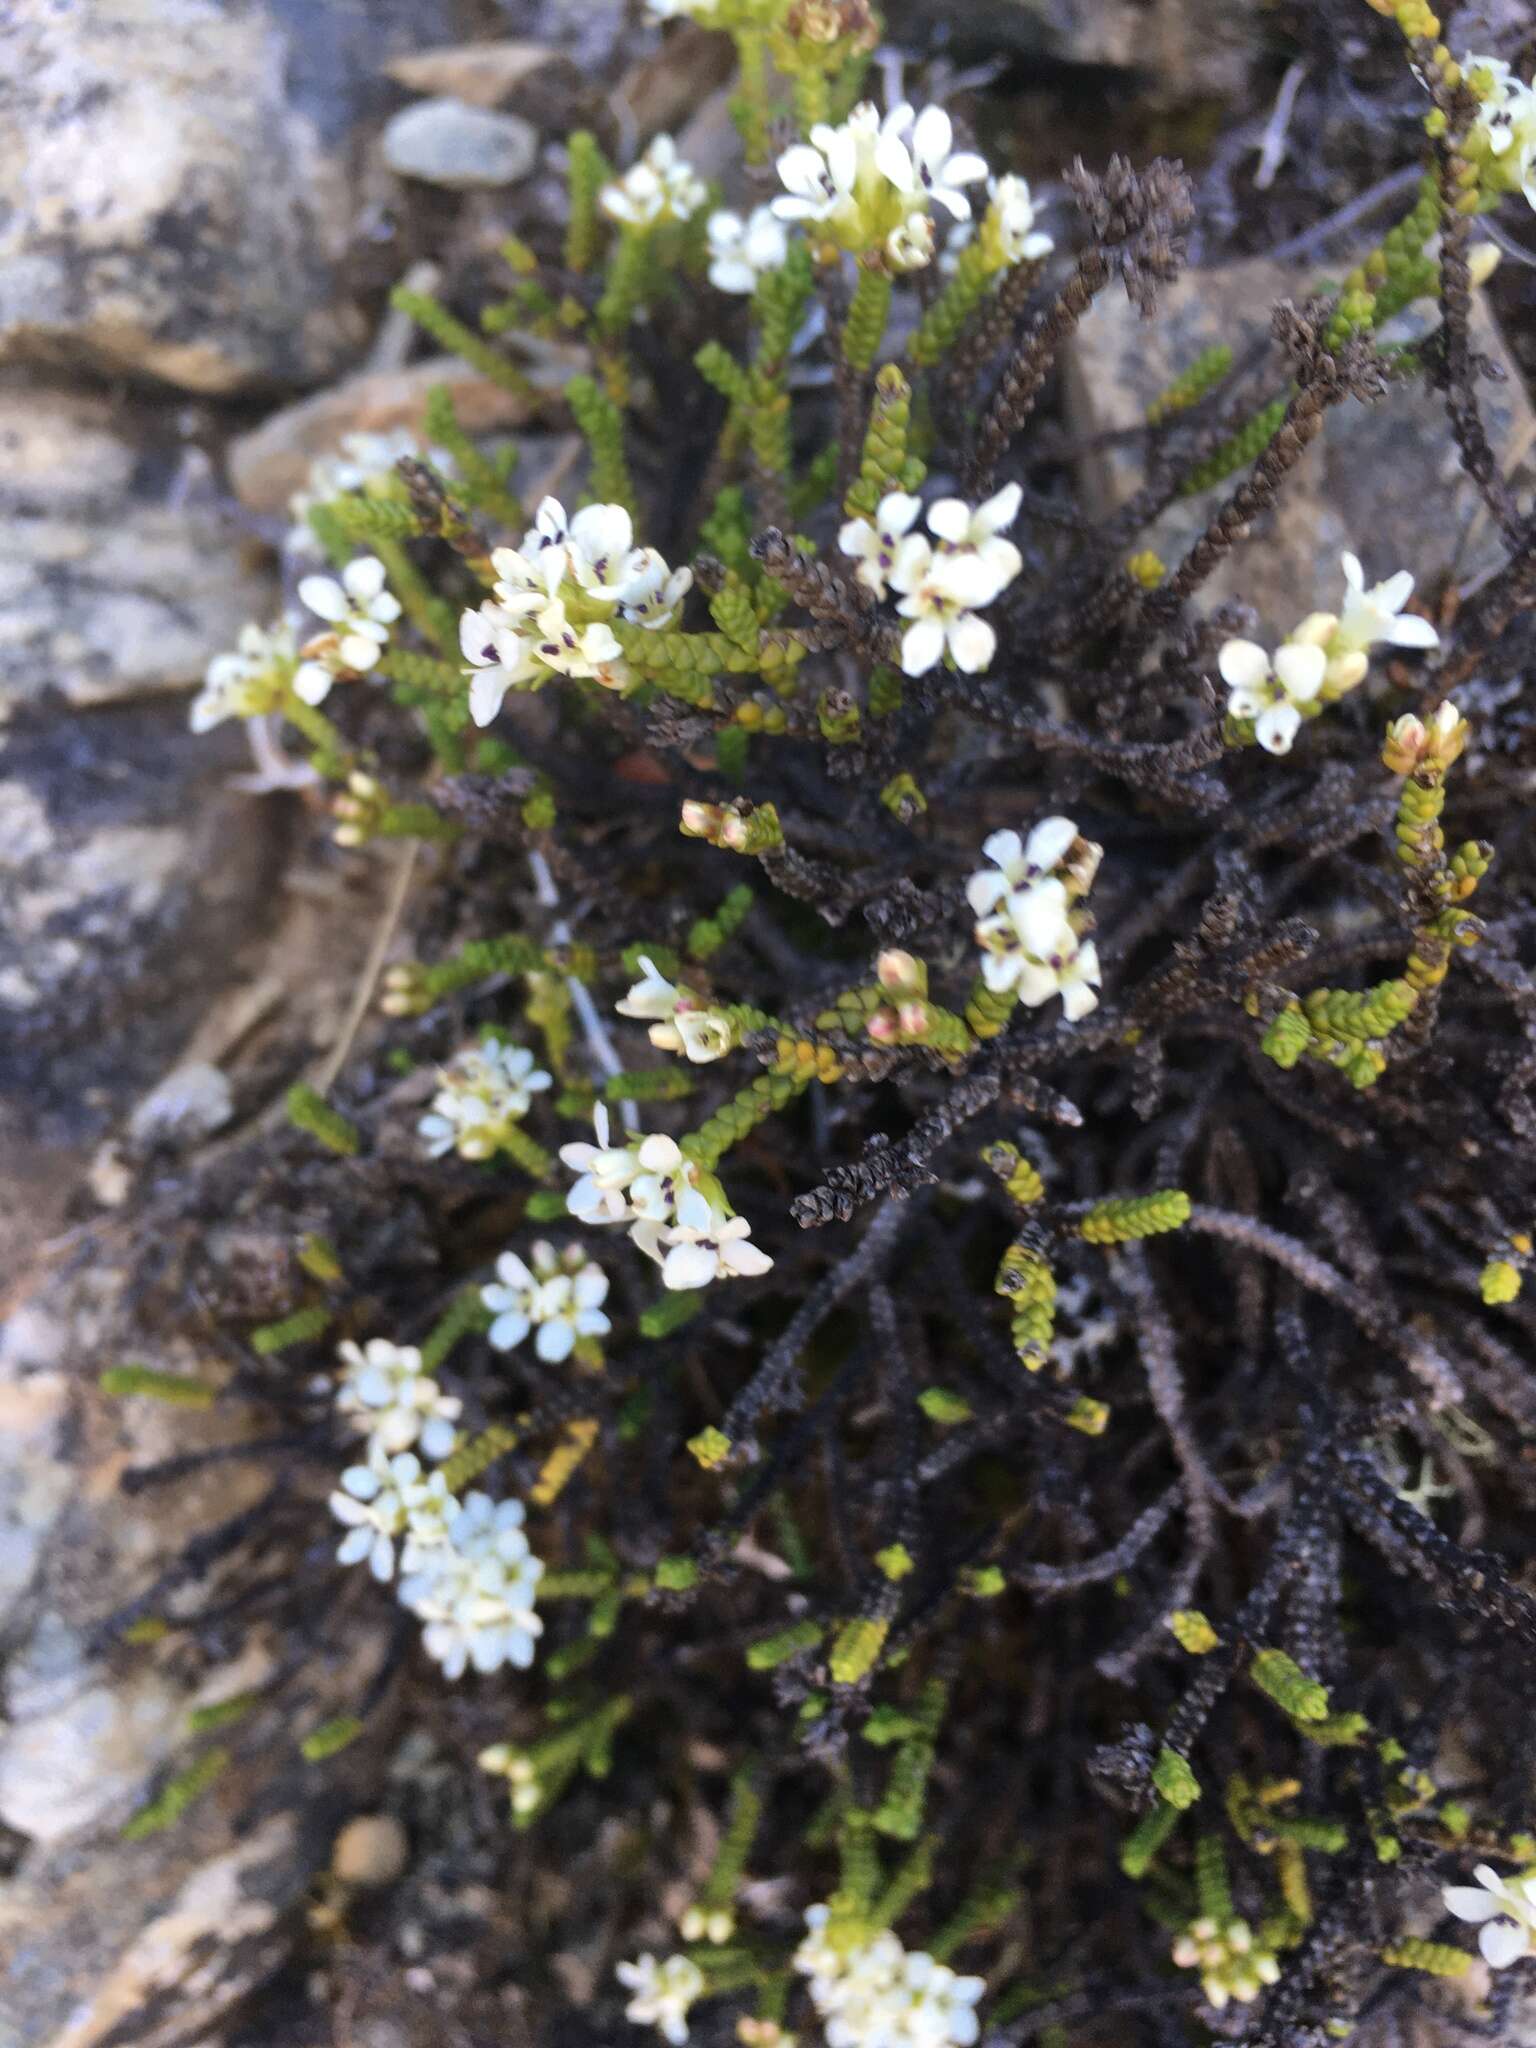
<point>1019,862</point>
<point>500,658</point>
<point>941,591</point>
<point>962,530</point>
<point>1026,941</point>
<point>1078,981</point>
<point>578,651</point>
<point>1506,124</point>
<point>925,166</point>
<point>663,1992</point>
<point>554,601</point>
<point>608,1175</point>
<point>1025,929</point>
<point>697,1250</point>
<point>651,592</point>
<point>1377,614</point>
<point>1012,214</point>
<point>476,1590</point>
<point>821,177</point>
<point>245,683</point>
<point>687,10</point>
<point>359,607</point>
<point>561,1297</point>
<point>871,184</point>
<point>1506,1910</point>
<point>1271,694</point>
<point>678,1022</point>
<point>742,251</point>
<point>661,186</point>
<point>870,1992</point>
<point>481,1091</point>
<point>874,543</point>
<point>909,245</point>
<point>385,1392</point>
<point>386,1498</point>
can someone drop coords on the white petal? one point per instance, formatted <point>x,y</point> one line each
<point>984,890</point>
<point>972,642</point>
<point>950,519</point>
<point>509,1330</point>
<point>1354,575</point>
<point>688,1265</point>
<point>1503,1943</point>
<point>312,682</point>
<point>1301,671</point>
<point>1392,595</point>
<point>1007,849</point>
<point>1243,664</point>
<point>555,1341</point>
<point>1276,728</point>
<point>932,137</point>
<point>324,596</point>
<point>1411,631</point>
<point>921,646</point>
<point>486,691</point>
<point>1469,1904</point>
<point>364,578</point>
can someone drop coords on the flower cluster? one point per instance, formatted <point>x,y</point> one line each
<point>384,1391</point>
<point>363,463</point>
<point>677,1214</point>
<point>561,1295</point>
<point>555,602</point>
<point>386,1500</point>
<point>660,187</point>
<point>359,612</point>
<point>870,1992</point>
<point>1504,134</point>
<point>475,1591</point>
<point>1029,932</point>
<point>741,251</point>
<point>663,1993</point>
<point>247,682</point>
<point>1232,1962</point>
<point>466,1570</point>
<point>482,1093</point>
<point>940,582</point>
<point>1325,658</point>
<point>869,185</point>
<point>679,1021</point>
<point>1505,1910</point>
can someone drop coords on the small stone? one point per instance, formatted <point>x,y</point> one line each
<point>372,1849</point>
<point>444,142</point>
<point>192,1101</point>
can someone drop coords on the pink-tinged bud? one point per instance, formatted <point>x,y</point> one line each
<point>913,1019</point>
<point>898,971</point>
<point>700,820</point>
<point>1416,746</point>
<point>733,831</point>
<point>883,1027</point>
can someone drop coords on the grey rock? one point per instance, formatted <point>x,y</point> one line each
<point>131,875</point>
<point>118,576</point>
<point>153,1941</point>
<point>446,142</point>
<point>1382,480</point>
<point>178,181</point>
